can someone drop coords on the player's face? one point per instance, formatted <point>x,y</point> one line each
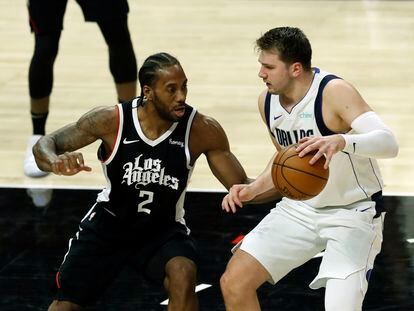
<point>170,93</point>
<point>274,72</point>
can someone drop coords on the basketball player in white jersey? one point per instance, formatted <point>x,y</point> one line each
<point>321,112</point>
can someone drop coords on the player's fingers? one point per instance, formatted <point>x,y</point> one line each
<point>316,157</point>
<point>228,205</point>
<point>55,168</point>
<point>328,157</point>
<point>73,161</point>
<point>234,195</point>
<point>232,206</point>
<point>65,162</point>
<point>224,205</point>
<point>86,168</point>
<point>304,139</point>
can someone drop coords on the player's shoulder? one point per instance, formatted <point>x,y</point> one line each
<point>335,83</point>
<point>205,124</point>
<point>101,117</point>
<point>339,88</point>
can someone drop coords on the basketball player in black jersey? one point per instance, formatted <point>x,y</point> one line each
<point>149,148</point>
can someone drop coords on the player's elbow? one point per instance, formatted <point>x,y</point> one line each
<point>392,147</point>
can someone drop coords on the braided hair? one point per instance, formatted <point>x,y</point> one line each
<point>148,72</point>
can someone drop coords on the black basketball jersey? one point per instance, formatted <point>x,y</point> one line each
<point>147,179</point>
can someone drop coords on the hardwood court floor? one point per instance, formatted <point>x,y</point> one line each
<point>33,242</point>
<point>369,43</point>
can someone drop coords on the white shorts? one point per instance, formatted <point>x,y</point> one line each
<point>293,233</point>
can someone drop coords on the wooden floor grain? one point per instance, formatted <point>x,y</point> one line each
<point>369,43</point>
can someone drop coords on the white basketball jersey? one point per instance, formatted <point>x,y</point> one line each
<point>352,178</point>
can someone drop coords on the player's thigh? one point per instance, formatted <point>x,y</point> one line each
<point>354,239</point>
<point>93,260</point>
<point>282,241</point>
<point>98,10</point>
<point>46,16</point>
<point>244,271</point>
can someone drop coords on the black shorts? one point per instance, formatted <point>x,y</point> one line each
<point>46,16</point>
<point>104,246</point>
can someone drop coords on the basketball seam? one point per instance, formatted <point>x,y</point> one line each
<point>295,169</point>
<point>279,154</point>
<point>290,184</point>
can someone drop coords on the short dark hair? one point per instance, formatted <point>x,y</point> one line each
<point>290,43</point>
<point>147,74</point>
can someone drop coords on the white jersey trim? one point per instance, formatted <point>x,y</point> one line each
<point>118,135</point>
<point>141,134</point>
<point>187,138</point>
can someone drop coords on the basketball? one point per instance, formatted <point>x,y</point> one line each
<point>295,178</point>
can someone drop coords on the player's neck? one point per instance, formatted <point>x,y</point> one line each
<point>297,90</point>
<point>152,125</point>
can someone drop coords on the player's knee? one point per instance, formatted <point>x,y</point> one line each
<point>230,284</point>
<point>123,64</point>
<point>63,306</point>
<point>46,48</point>
<point>181,275</point>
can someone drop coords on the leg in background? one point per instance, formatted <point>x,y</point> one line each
<point>122,61</point>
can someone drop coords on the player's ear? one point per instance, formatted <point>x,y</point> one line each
<point>147,91</point>
<point>296,69</point>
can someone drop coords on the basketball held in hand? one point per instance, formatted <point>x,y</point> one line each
<point>295,178</point>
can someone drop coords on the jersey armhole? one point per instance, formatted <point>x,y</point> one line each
<point>325,131</point>
<point>267,111</point>
<point>187,138</point>
<point>117,137</point>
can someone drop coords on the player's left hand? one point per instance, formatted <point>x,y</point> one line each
<point>324,146</point>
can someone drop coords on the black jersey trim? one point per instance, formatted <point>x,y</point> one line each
<point>267,111</point>
<point>318,106</point>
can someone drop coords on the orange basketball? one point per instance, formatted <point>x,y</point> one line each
<point>295,178</point>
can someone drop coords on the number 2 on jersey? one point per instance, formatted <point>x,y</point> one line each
<point>149,198</point>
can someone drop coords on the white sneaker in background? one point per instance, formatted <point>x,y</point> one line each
<point>40,197</point>
<point>29,165</point>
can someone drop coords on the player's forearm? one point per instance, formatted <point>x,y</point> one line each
<point>376,144</point>
<point>265,197</point>
<point>43,150</point>
<point>262,189</point>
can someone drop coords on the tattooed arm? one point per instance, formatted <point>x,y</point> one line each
<point>57,153</point>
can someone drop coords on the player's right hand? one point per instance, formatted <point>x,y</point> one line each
<point>232,199</point>
<point>69,163</point>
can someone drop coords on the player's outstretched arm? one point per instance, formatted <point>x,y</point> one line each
<point>56,152</point>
